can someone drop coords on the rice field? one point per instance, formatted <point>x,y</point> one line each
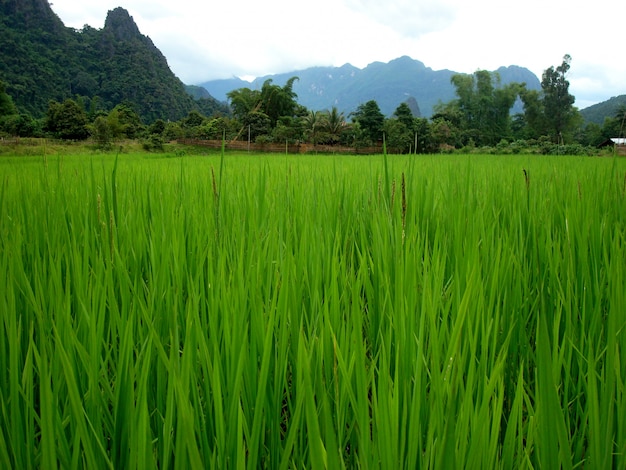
<point>273,311</point>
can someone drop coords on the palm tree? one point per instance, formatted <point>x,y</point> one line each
<point>313,123</point>
<point>334,124</point>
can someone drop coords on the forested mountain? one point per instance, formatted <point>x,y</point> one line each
<point>599,112</point>
<point>390,84</point>
<point>42,60</point>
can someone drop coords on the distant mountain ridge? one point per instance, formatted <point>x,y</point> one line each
<point>42,60</point>
<point>390,84</point>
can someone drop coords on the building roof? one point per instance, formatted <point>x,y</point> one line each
<point>613,141</point>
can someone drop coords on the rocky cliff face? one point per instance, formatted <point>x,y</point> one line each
<point>121,25</point>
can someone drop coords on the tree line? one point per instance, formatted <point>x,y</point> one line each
<point>479,118</point>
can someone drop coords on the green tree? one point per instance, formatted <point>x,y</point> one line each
<point>21,125</point>
<point>193,119</point>
<point>591,135</point>
<point>257,124</point>
<point>313,126</point>
<point>558,104</point>
<point>443,134</point>
<point>484,106</point>
<point>533,124</point>
<point>278,101</point>
<point>404,114</point>
<point>620,120</point>
<point>67,120</point>
<point>244,101</point>
<point>216,128</point>
<point>157,127</point>
<point>334,123</point>
<point>399,132</point>
<point>370,120</point>
<point>129,122</point>
<point>398,137</point>
<point>101,132</point>
<point>274,102</point>
<point>7,107</point>
<point>288,130</point>
<point>421,126</point>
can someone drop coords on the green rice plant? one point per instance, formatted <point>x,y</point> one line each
<point>312,311</point>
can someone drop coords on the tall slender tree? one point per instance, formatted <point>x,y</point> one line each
<point>558,103</point>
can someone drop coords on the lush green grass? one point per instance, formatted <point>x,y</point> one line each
<point>308,312</point>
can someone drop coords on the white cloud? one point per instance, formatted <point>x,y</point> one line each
<point>410,18</point>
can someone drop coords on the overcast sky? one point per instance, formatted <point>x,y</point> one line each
<point>206,39</point>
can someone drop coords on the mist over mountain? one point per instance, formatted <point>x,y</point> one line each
<point>390,84</point>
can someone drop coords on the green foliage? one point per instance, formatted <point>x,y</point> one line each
<point>193,119</point>
<point>157,127</point>
<point>102,132</point>
<point>173,131</point>
<point>244,101</point>
<point>7,108</point>
<point>550,112</point>
<point>398,137</point>
<point>121,122</point>
<point>20,125</point>
<point>313,126</point>
<point>558,103</point>
<point>257,123</point>
<point>125,121</point>
<point>42,60</point>
<point>323,127</point>
<point>269,114</point>
<point>615,125</point>
<point>404,114</point>
<point>597,113</point>
<point>67,120</point>
<point>334,124</point>
<point>285,313</point>
<point>217,128</point>
<point>483,107</point>
<point>276,101</point>
<point>153,143</point>
<point>370,120</point>
<point>421,127</point>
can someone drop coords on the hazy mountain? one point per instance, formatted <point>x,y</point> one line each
<point>42,60</point>
<point>390,84</point>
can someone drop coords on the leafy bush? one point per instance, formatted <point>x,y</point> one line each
<point>153,143</point>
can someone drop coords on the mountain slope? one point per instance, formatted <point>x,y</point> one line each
<point>42,60</point>
<point>600,111</point>
<point>390,84</point>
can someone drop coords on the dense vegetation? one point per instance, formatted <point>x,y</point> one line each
<point>312,311</point>
<point>42,60</point>
<point>599,112</point>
